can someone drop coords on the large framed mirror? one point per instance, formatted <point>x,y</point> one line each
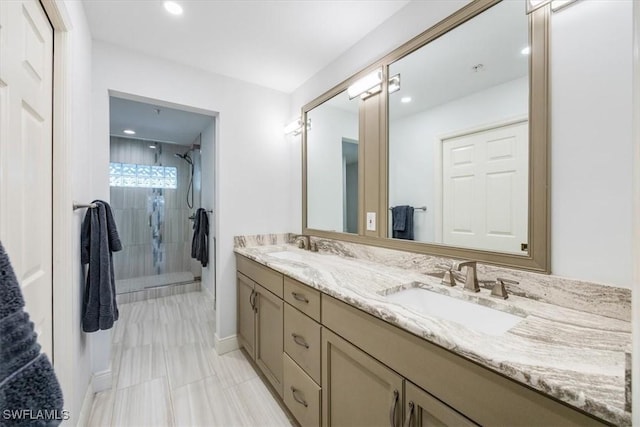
<point>464,124</point>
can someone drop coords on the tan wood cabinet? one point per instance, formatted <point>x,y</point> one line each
<point>357,390</point>
<point>269,344</point>
<point>423,410</point>
<point>336,365</point>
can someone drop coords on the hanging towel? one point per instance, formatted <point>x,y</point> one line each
<point>28,385</point>
<point>199,245</point>
<point>98,240</point>
<point>402,221</point>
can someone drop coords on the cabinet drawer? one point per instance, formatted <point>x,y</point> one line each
<point>302,297</point>
<point>301,394</point>
<point>302,341</point>
<point>269,279</point>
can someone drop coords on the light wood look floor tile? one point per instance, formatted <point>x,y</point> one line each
<point>166,371</point>
<point>102,409</point>
<point>145,404</point>
<point>141,364</point>
<point>187,363</point>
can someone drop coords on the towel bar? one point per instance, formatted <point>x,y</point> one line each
<point>77,206</point>
<point>421,208</point>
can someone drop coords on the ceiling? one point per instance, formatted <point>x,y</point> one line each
<point>272,43</point>
<point>155,123</point>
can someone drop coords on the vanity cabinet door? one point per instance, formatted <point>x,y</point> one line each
<point>269,341</point>
<point>423,410</point>
<point>246,314</point>
<point>357,390</point>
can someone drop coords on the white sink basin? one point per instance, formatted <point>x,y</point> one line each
<point>288,255</point>
<point>468,314</point>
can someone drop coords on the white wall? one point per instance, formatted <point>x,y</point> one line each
<point>591,126</point>
<point>591,145</point>
<point>74,367</point>
<point>325,183</point>
<point>413,140</point>
<point>209,167</point>
<point>251,152</point>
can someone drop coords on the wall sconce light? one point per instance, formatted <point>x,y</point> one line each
<point>555,4</point>
<point>365,84</point>
<point>295,127</point>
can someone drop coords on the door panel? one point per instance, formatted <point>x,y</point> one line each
<point>246,314</point>
<point>269,339</point>
<point>485,189</point>
<point>357,390</point>
<point>423,410</point>
<point>26,95</point>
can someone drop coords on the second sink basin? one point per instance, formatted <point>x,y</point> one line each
<point>468,314</point>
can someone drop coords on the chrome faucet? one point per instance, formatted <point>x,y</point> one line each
<point>471,282</point>
<point>304,242</point>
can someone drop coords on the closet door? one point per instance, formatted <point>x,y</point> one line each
<point>26,97</point>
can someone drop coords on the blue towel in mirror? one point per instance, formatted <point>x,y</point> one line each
<point>402,222</point>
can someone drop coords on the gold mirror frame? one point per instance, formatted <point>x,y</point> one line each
<point>376,137</point>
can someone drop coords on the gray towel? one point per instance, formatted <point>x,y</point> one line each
<point>402,220</point>
<point>200,242</point>
<point>28,385</point>
<point>98,239</point>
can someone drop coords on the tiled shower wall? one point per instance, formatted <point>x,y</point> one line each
<point>156,239</point>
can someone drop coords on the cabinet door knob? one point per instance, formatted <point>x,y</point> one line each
<point>300,297</point>
<point>298,399</point>
<point>299,339</point>
<point>394,406</point>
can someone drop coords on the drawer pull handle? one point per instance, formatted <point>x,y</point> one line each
<point>299,339</point>
<point>300,400</point>
<point>299,297</point>
<point>394,406</point>
<point>407,421</point>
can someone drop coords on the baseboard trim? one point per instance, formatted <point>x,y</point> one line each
<point>100,381</point>
<point>225,345</point>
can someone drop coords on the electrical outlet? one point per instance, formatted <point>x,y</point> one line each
<point>371,221</point>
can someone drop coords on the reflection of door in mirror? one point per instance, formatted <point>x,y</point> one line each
<point>332,165</point>
<point>484,189</point>
<point>472,78</point>
<point>350,185</point>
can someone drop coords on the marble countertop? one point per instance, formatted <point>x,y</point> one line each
<point>569,354</point>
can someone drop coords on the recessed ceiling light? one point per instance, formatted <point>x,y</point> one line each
<point>526,50</point>
<point>405,99</point>
<point>129,131</point>
<point>152,146</point>
<point>173,8</point>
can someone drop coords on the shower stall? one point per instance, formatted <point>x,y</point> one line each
<point>155,192</point>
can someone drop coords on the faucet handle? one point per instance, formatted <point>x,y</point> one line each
<point>448,278</point>
<point>499,289</point>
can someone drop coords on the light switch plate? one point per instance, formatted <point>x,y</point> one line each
<point>371,221</point>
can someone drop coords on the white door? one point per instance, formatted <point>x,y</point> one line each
<point>485,189</point>
<point>26,95</point>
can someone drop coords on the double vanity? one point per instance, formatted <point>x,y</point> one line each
<point>357,335</point>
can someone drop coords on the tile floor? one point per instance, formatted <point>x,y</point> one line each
<point>167,373</point>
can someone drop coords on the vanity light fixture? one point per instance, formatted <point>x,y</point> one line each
<point>173,7</point>
<point>405,99</point>
<point>394,83</point>
<point>129,131</point>
<point>555,4</point>
<point>295,127</point>
<point>365,84</point>
<point>526,50</point>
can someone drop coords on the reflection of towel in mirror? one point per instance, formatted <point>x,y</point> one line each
<point>402,220</point>
<point>98,239</point>
<point>27,380</point>
<point>199,245</point>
